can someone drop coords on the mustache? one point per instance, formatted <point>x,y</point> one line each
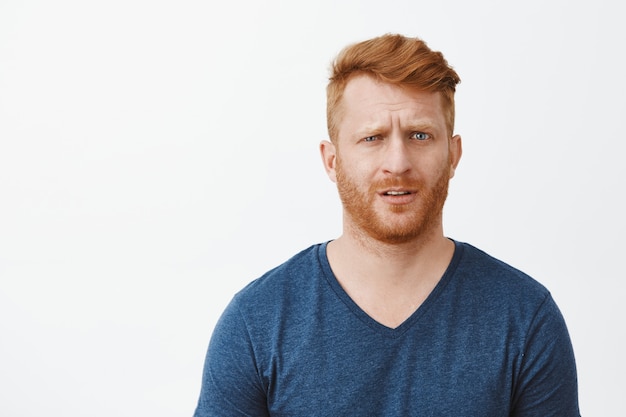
<point>397,183</point>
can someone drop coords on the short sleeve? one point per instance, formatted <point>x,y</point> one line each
<point>231,385</point>
<point>547,384</point>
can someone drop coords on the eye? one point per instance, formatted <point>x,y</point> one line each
<point>370,138</point>
<point>420,136</point>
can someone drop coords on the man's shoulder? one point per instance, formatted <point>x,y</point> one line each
<point>498,293</point>
<point>489,273</point>
<point>289,276</point>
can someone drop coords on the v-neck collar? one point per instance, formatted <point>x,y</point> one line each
<point>366,318</point>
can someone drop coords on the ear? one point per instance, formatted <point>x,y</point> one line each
<point>456,150</point>
<point>329,159</point>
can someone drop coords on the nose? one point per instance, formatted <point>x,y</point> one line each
<point>396,160</point>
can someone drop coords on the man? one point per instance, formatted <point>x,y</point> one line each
<point>392,318</point>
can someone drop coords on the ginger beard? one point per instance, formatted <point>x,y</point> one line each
<point>395,223</point>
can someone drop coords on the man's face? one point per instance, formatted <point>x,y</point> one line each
<point>392,160</point>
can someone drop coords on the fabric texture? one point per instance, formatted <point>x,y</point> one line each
<point>488,341</point>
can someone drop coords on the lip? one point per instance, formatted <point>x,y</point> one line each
<point>398,199</point>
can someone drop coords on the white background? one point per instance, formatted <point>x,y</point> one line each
<point>155,156</point>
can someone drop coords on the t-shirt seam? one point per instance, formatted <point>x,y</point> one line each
<point>531,323</point>
<point>252,348</point>
<point>524,347</point>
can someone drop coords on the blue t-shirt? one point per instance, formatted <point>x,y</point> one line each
<point>488,341</point>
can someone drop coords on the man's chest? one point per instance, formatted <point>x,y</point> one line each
<point>339,375</point>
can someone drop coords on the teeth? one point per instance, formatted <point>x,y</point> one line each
<point>397,192</point>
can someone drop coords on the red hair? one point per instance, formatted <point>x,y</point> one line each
<point>394,59</point>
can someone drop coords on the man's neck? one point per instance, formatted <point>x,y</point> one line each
<point>389,281</point>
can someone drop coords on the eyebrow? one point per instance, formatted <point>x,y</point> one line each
<point>368,129</point>
<point>420,126</point>
<point>376,128</point>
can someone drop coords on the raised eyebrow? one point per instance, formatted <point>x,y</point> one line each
<point>420,127</point>
<point>368,131</point>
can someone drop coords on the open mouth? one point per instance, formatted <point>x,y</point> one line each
<point>396,192</point>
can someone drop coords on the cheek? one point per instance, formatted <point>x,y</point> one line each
<point>351,167</point>
<point>432,168</point>
<point>362,174</point>
<point>350,177</point>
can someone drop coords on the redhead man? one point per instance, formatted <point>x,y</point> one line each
<point>392,318</point>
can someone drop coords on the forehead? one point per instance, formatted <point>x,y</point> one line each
<point>369,101</point>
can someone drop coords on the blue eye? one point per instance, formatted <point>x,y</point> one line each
<point>420,136</point>
<point>370,138</point>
